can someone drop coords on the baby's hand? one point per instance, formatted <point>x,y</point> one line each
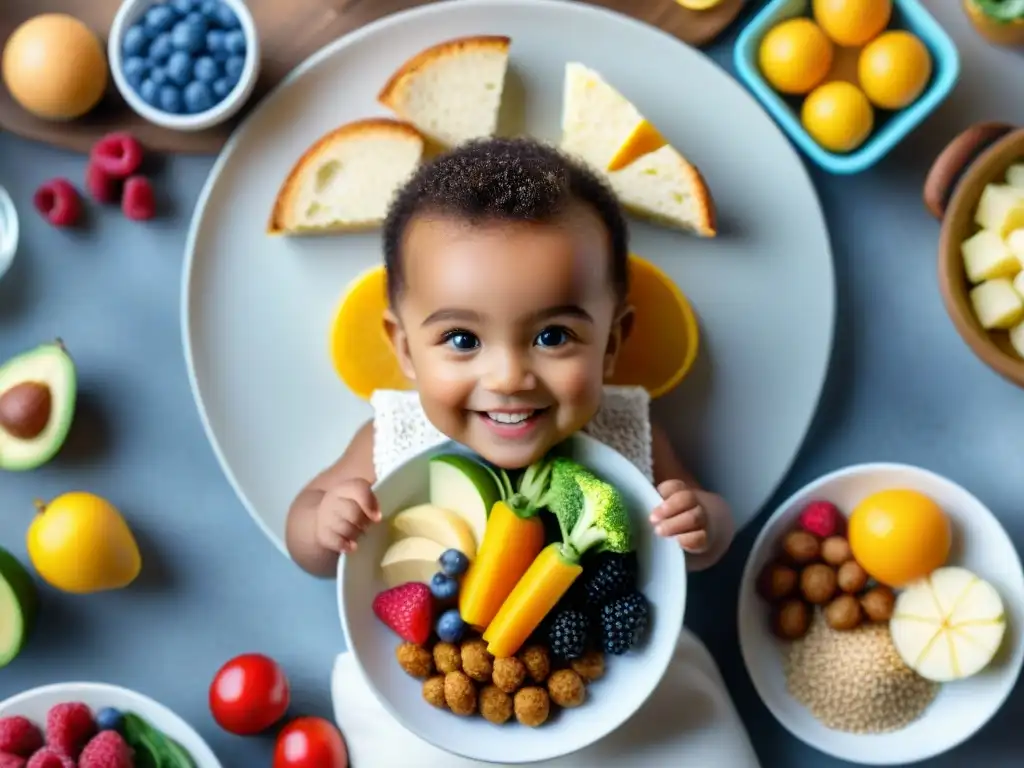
<point>344,513</point>
<point>681,515</point>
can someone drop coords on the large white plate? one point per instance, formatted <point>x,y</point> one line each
<point>256,310</point>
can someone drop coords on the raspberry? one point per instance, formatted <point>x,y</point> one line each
<point>19,736</point>
<point>102,186</point>
<point>59,202</point>
<point>106,750</point>
<point>117,154</point>
<point>7,760</point>
<point>69,727</point>
<point>138,202</point>
<point>822,518</point>
<point>47,757</point>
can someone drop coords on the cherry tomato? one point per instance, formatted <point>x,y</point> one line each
<point>310,742</point>
<point>249,694</point>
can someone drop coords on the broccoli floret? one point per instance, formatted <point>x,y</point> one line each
<point>591,513</point>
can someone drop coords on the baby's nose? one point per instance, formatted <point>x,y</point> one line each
<point>508,374</point>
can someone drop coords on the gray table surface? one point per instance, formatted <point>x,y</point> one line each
<point>902,388</point>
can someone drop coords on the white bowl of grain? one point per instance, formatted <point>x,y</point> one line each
<point>868,689</point>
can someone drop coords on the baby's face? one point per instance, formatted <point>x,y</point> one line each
<point>508,330</point>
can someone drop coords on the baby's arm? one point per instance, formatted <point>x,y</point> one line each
<point>720,526</point>
<point>355,468</point>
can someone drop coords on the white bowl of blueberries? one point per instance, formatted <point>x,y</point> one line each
<point>184,64</point>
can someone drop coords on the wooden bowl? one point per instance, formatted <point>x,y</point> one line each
<point>978,156</point>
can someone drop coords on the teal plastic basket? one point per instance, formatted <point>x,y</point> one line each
<point>890,127</point>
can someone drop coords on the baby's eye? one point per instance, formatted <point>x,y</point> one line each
<point>462,340</point>
<point>554,336</point>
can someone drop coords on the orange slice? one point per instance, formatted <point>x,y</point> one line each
<point>663,344</point>
<point>657,355</point>
<point>644,138</point>
<point>360,349</point>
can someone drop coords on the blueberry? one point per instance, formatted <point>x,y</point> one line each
<point>148,91</point>
<point>109,719</point>
<point>179,68</point>
<point>169,99</point>
<point>234,41</point>
<point>159,18</point>
<point>205,69</point>
<point>222,87</point>
<point>160,48</point>
<point>135,69</point>
<point>226,17</point>
<point>197,97</point>
<point>453,562</point>
<point>195,17</point>
<point>233,68</point>
<point>208,8</point>
<point>184,7</point>
<point>187,36</point>
<point>443,586</point>
<point>215,41</point>
<point>135,41</point>
<point>450,626</point>
<point>158,75</point>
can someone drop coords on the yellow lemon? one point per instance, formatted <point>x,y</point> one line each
<point>894,69</point>
<point>795,56</point>
<point>852,23</point>
<point>838,116</point>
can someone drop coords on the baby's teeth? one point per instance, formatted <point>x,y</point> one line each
<point>509,418</point>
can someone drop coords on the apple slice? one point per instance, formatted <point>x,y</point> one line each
<point>948,626</point>
<point>411,559</point>
<point>466,487</point>
<point>437,524</point>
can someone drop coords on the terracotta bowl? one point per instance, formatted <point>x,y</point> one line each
<point>978,156</point>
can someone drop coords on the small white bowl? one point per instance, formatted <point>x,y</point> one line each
<point>131,11</point>
<point>8,232</point>
<point>628,682</point>
<point>961,708</point>
<point>35,703</point>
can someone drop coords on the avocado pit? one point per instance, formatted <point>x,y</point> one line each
<point>25,409</point>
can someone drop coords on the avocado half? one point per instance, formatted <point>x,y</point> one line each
<point>18,602</point>
<point>37,405</point>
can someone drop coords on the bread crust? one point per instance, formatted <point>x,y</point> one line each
<point>707,225</point>
<point>391,94</point>
<point>289,187</point>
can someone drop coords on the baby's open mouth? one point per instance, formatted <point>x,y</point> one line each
<point>512,417</point>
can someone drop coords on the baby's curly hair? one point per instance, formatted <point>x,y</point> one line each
<point>494,180</point>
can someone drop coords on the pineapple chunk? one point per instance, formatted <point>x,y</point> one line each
<point>1015,176</point>
<point>1017,339</point>
<point>987,256</point>
<point>1001,209</point>
<point>1015,244</point>
<point>997,305</point>
<point>1018,284</point>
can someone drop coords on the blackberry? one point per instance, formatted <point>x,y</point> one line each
<point>608,576</point>
<point>623,622</point>
<point>567,634</point>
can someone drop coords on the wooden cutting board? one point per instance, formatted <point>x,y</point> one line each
<point>290,30</point>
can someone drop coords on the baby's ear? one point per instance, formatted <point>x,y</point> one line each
<point>620,330</point>
<point>399,343</point>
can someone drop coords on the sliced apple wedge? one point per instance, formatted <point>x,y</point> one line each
<point>411,559</point>
<point>948,626</point>
<point>437,524</point>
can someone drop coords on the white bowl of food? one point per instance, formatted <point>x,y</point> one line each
<point>88,720</point>
<point>880,614</point>
<point>543,681</point>
<point>8,231</point>
<point>184,64</point>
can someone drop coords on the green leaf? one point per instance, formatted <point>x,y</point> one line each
<point>153,748</point>
<point>1002,10</point>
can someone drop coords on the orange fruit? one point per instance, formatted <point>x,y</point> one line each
<point>663,343</point>
<point>894,69</point>
<point>795,56</point>
<point>852,23</point>
<point>660,350</point>
<point>838,116</point>
<point>899,536</point>
<point>360,349</point>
